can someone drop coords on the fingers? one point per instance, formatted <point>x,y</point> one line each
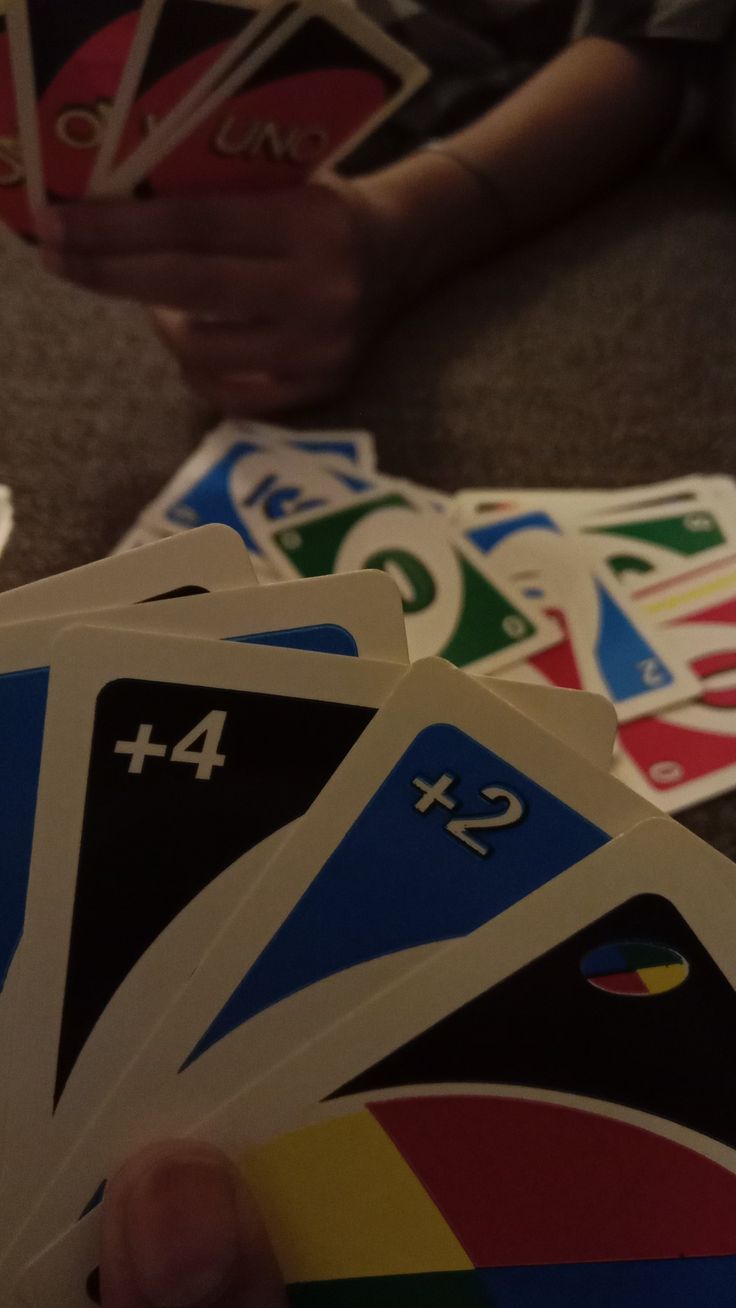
<point>182,281</point>
<point>179,1231</point>
<point>260,226</point>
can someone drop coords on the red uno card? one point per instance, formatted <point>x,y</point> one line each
<point>311,91</point>
<point>180,50</point>
<point>68,62</point>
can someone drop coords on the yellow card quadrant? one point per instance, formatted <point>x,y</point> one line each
<point>340,1201</point>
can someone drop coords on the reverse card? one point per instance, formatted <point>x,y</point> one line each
<point>386,868</point>
<point>68,61</point>
<point>305,97</point>
<point>164,761</point>
<point>585,1155</point>
<point>452,605</point>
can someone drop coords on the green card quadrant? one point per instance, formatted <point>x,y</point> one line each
<point>487,620</point>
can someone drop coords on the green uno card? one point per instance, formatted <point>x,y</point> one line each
<point>651,544</point>
<point>452,606</point>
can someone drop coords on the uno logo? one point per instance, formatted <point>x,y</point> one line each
<point>304,146</point>
<point>12,172</point>
<point>635,968</point>
<point>81,126</point>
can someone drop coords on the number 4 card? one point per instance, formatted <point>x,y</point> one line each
<point>166,759</point>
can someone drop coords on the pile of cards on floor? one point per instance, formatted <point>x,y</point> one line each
<point>630,594</point>
<point>173,97</point>
<point>457,1001</point>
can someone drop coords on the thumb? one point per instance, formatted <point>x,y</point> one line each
<point>180,1231</point>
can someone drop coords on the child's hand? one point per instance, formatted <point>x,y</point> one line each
<point>179,1231</point>
<point>265,300</point>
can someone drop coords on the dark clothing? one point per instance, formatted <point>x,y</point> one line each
<point>481,50</point>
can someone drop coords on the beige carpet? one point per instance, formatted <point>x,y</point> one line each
<point>602,355</point>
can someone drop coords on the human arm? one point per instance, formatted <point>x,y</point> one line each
<point>270,300</point>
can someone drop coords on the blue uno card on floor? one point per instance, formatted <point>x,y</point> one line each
<point>276,495</point>
<point>454,836</point>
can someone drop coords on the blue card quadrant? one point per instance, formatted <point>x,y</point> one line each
<point>666,1283</point>
<point>628,664</point>
<point>491,534</point>
<point>407,872</point>
<point>323,638</point>
<point>210,499</point>
<point>22,712</point>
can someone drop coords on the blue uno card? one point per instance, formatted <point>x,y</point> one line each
<point>628,664</point>
<point>23,698</point>
<point>453,837</point>
<point>276,496</point>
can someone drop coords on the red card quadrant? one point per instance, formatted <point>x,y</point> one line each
<point>274,135</point>
<point>74,101</point>
<point>523,1182</point>
<point>14,209</point>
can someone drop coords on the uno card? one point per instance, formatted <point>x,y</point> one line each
<point>602,1124</point>
<point>356,616</point>
<point>617,650</point>
<point>243,478</point>
<point>212,558</point>
<point>387,867</point>
<point>357,449</point>
<point>67,61</point>
<point>648,544</point>
<point>678,491</point>
<point>14,208</point>
<point>570,506</point>
<point>688,754</point>
<point>468,506</point>
<point>180,49</point>
<point>305,97</point>
<point>165,760</point>
<point>24,673</point>
<point>452,605</point>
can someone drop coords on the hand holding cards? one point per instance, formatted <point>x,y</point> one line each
<point>178,96</point>
<point>349,919</point>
